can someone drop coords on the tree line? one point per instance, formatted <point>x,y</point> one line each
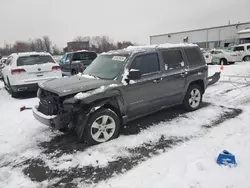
<point>101,44</point>
<point>98,44</point>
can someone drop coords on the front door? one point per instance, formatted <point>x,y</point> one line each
<point>141,95</point>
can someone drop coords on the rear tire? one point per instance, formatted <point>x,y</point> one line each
<point>73,72</point>
<point>246,58</point>
<point>12,93</point>
<point>224,61</point>
<point>193,98</point>
<point>102,126</point>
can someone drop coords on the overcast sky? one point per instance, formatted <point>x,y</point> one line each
<point>134,20</point>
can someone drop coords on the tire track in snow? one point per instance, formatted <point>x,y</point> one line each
<point>39,171</point>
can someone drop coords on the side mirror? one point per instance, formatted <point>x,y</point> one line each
<point>134,74</point>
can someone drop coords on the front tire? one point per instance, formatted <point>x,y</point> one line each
<point>193,98</point>
<point>102,126</point>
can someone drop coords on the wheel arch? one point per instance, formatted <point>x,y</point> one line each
<point>200,83</point>
<point>113,103</point>
<point>223,58</point>
<point>243,59</point>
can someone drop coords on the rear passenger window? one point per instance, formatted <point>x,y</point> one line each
<point>172,59</point>
<point>193,56</point>
<point>146,64</point>
<point>78,56</point>
<point>248,47</point>
<point>239,48</point>
<point>91,55</point>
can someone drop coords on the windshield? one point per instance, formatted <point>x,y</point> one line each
<point>33,60</point>
<point>106,66</point>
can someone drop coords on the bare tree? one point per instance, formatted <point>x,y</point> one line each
<point>47,43</point>
<point>56,50</point>
<point>21,46</point>
<point>39,46</point>
<point>79,39</point>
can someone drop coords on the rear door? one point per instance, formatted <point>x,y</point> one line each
<point>240,52</point>
<point>37,68</point>
<point>173,81</point>
<point>197,68</point>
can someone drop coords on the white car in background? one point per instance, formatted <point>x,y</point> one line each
<point>226,57</point>
<point>208,57</point>
<point>23,71</point>
<point>2,62</point>
<point>242,50</point>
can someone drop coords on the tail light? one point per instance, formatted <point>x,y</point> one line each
<point>56,68</point>
<point>81,65</point>
<point>17,71</point>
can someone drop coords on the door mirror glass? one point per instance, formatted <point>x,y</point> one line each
<point>134,74</point>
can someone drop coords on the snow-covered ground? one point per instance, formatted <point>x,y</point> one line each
<point>169,149</point>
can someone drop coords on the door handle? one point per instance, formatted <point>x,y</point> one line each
<point>184,73</point>
<point>157,80</point>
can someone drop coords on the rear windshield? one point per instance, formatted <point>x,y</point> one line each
<point>33,60</point>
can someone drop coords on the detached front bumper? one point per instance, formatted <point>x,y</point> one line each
<point>51,121</point>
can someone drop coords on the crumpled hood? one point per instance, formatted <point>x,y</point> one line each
<point>74,84</point>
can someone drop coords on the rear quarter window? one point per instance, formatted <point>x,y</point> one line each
<point>33,60</point>
<point>193,56</point>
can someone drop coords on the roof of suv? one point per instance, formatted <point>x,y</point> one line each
<point>80,51</point>
<point>22,54</point>
<point>136,49</point>
<point>246,44</point>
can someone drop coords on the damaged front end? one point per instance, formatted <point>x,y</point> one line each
<point>56,112</point>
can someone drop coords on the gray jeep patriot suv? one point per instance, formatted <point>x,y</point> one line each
<point>120,86</point>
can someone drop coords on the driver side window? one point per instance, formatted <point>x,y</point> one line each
<point>147,64</point>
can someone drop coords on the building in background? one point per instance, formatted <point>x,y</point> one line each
<point>76,45</point>
<point>213,37</point>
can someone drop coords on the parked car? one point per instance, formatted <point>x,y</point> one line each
<point>75,62</point>
<point>23,71</point>
<point>121,86</point>
<point>242,51</point>
<point>226,57</point>
<point>2,64</point>
<point>207,55</point>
